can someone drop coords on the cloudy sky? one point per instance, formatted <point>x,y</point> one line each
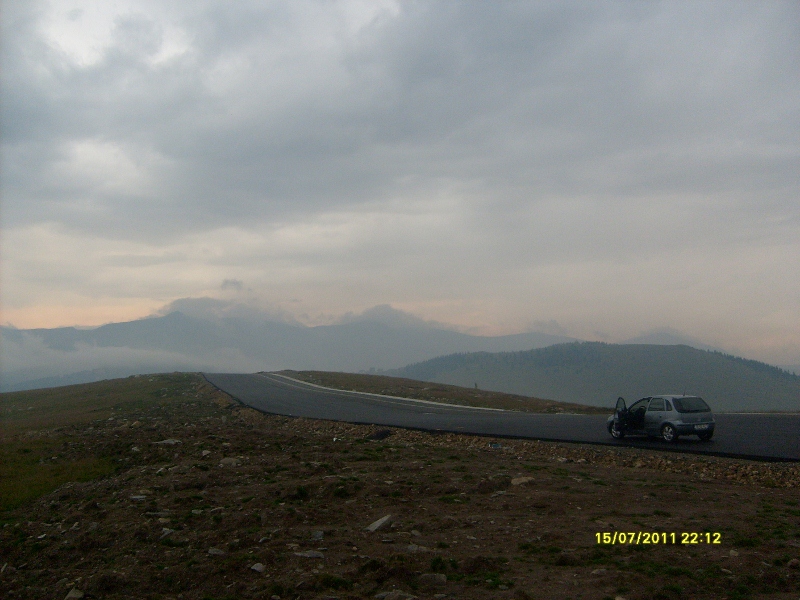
<point>597,169</point>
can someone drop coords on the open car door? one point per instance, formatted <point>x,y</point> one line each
<point>620,419</point>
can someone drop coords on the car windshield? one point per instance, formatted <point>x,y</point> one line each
<point>689,405</point>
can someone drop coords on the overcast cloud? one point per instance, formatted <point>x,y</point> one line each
<point>604,168</point>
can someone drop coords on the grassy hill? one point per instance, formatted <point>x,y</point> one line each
<point>596,373</point>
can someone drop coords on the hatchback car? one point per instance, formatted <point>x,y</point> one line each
<point>668,416</point>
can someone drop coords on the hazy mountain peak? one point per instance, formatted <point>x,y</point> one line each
<point>667,336</point>
<point>393,317</point>
<point>211,309</point>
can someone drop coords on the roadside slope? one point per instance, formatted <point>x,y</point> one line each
<point>433,392</point>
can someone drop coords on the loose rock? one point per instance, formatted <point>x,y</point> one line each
<point>395,595</point>
<point>433,579</point>
<point>521,480</point>
<point>382,522</point>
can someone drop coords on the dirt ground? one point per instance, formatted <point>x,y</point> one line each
<point>210,500</point>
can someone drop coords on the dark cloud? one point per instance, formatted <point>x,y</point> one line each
<point>268,112</point>
<point>387,145</point>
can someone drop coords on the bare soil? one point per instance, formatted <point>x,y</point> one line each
<point>211,500</point>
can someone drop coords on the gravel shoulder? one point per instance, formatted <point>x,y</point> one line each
<point>208,499</point>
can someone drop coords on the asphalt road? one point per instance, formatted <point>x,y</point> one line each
<point>756,436</point>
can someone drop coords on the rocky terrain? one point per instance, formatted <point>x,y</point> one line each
<point>204,499</point>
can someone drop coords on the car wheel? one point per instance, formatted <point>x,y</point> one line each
<point>616,432</point>
<point>668,433</point>
<point>706,435</point>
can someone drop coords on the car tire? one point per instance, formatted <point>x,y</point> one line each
<point>669,434</point>
<point>616,432</point>
<point>705,436</point>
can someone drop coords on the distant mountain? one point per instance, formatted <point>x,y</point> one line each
<point>666,336</point>
<point>211,338</point>
<point>596,373</point>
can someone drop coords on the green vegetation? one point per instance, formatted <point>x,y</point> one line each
<point>29,469</point>
<point>69,405</point>
<point>32,464</point>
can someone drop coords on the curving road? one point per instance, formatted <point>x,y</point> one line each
<point>756,436</point>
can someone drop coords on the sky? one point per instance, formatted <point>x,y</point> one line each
<point>595,169</point>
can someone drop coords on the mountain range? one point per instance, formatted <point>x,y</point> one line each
<point>595,373</point>
<point>205,334</point>
<point>379,339</point>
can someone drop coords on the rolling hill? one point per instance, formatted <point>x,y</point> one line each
<point>595,373</point>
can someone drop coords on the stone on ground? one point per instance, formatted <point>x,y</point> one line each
<point>382,522</point>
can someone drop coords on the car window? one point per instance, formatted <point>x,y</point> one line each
<point>639,404</point>
<point>656,404</point>
<point>668,405</point>
<point>691,404</point>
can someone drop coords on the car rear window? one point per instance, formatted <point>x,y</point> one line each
<point>690,405</point>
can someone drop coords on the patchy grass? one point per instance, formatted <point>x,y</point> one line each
<point>68,405</point>
<point>32,468</point>
<point>36,457</point>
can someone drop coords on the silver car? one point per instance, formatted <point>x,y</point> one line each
<point>667,416</point>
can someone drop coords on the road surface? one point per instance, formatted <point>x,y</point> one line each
<point>755,436</point>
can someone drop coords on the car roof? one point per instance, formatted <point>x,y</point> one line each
<point>672,396</point>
